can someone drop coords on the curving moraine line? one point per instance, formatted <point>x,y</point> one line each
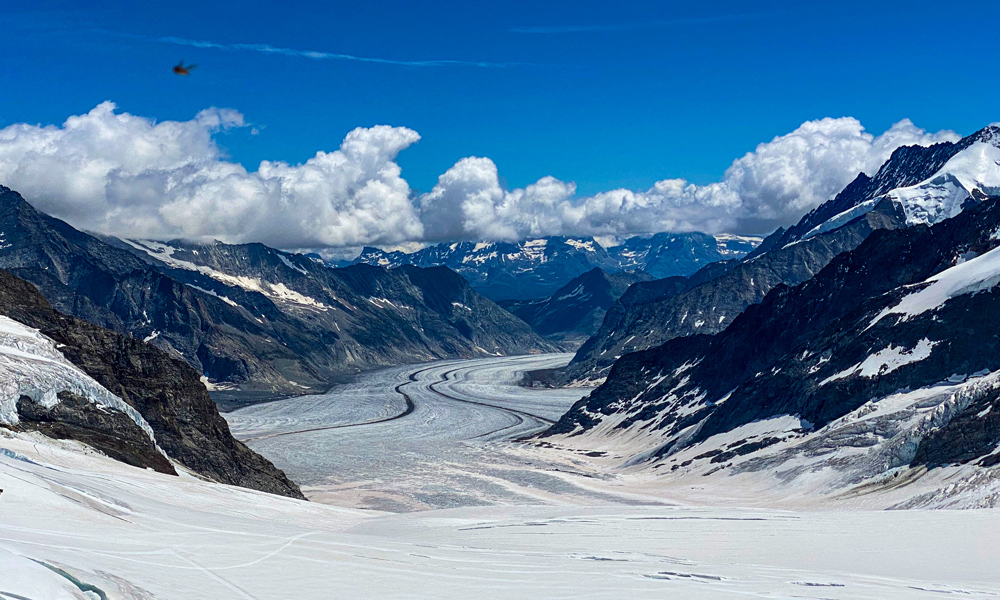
<point>519,414</point>
<point>411,406</point>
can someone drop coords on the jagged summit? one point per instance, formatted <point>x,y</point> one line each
<point>930,183</point>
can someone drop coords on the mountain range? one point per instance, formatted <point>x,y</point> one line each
<point>916,185</point>
<point>879,371</point>
<point>253,320</point>
<point>537,268</point>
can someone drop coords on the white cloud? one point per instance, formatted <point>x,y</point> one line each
<point>772,186</point>
<point>127,175</point>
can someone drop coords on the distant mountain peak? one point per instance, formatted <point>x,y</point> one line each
<point>535,268</point>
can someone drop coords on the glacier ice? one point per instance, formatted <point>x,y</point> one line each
<point>31,365</point>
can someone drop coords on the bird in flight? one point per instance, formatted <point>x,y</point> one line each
<point>180,69</point>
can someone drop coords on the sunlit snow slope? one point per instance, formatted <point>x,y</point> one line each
<point>79,526</point>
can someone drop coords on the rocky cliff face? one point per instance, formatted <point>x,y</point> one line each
<point>251,318</point>
<point>166,393</point>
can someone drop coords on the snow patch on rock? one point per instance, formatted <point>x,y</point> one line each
<point>886,361</point>
<point>975,275</point>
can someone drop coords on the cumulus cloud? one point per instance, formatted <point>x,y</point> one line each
<point>770,187</point>
<point>127,175</point>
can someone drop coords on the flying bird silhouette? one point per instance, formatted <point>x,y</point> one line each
<point>180,69</point>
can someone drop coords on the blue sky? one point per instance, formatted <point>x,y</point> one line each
<point>603,94</point>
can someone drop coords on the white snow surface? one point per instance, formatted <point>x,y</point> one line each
<point>840,219</point>
<point>975,275</point>
<point>31,365</point>
<point>586,246</point>
<point>290,264</point>
<point>886,360</point>
<point>535,521</point>
<point>139,535</point>
<point>584,533</point>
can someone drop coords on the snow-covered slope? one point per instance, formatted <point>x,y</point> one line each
<point>79,527</point>
<point>971,174</point>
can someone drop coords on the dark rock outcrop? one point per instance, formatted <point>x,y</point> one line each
<point>166,391</point>
<point>972,434</point>
<point>111,432</point>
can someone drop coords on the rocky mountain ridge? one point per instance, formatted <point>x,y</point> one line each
<point>250,317</point>
<point>916,185</point>
<point>883,367</point>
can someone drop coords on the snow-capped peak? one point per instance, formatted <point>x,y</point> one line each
<point>943,195</point>
<point>969,171</point>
